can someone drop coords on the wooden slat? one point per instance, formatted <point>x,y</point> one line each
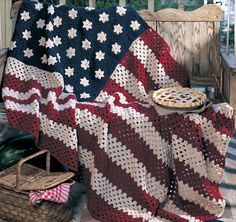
<point>204,48</point>
<point>205,13</point>
<point>92,3</point>
<point>216,49</point>
<point>196,49</point>
<point>151,5</point>
<point>167,35</point>
<point>188,45</point>
<point>62,2</point>
<point>160,28</point>
<point>122,3</point>
<point>211,47</point>
<point>179,41</point>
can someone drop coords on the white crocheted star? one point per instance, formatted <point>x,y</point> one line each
<point>135,25</point>
<point>70,52</point>
<point>38,6</point>
<point>87,24</point>
<point>28,53</point>
<point>85,64</point>
<point>51,10</point>
<point>40,23</point>
<point>44,59</point>
<point>26,34</point>
<point>101,37</point>
<point>57,21</point>
<point>99,74</point>
<point>52,60</point>
<point>49,44</point>
<point>69,88</point>
<point>100,55</point>
<point>104,17</point>
<point>118,29</point>
<point>72,33</point>
<point>84,95</point>
<point>116,48</point>
<point>49,26</point>
<point>120,10</point>
<point>42,41</point>
<point>57,40</point>
<point>12,45</point>
<point>69,71</point>
<point>25,16</point>
<point>73,14</point>
<point>86,44</point>
<point>84,82</point>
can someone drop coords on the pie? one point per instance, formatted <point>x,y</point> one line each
<point>175,97</point>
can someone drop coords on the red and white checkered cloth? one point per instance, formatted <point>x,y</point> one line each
<point>59,194</point>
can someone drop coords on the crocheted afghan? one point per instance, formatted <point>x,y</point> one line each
<point>78,79</point>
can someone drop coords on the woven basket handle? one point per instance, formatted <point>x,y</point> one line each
<point>21,162</point>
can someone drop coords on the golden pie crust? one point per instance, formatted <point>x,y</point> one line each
<point>179,97</point>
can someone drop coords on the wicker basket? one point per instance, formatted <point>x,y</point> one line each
<point>18,180</point>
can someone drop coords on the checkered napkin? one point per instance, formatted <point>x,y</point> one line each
<point>58,194</point>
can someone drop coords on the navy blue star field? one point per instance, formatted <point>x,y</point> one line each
<point>84,45</point>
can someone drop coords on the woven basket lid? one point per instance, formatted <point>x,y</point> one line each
<point>32,178</point>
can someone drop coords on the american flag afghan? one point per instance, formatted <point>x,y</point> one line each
<point>78,79</point>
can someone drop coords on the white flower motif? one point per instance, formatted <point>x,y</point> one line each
<point>49,44</point>
<point>85,64</point>
<point>25,16</point>
<point>28,53</point>
<point>86,44</point>
<point>87,24</point>
<point>73,13</point>
<point>51,10</point>
<point>42,41</point>
<point>104,17</point>
<point>84,82</point>
<point>69,71</point>
<point>27,34</point>
<point>70,52</point>
<point>118,29</point>
<point>52,60</point>
<point>38,6</point>
<point>57,21</point>
<point>12,45</point>
<point>89,8</point>
<point>84,95</point>
<point>40,23</point>
<point>69,88</point>
<point>49,26</point>
<point>57,40</point>
<point>100,55</point>
<point>135,25</point>
<point>72,33</point>
<point>101,37</point>
<point>99,74</point>
<point>121,10</point>
<point>44,59</point>
<point>116,48</point>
